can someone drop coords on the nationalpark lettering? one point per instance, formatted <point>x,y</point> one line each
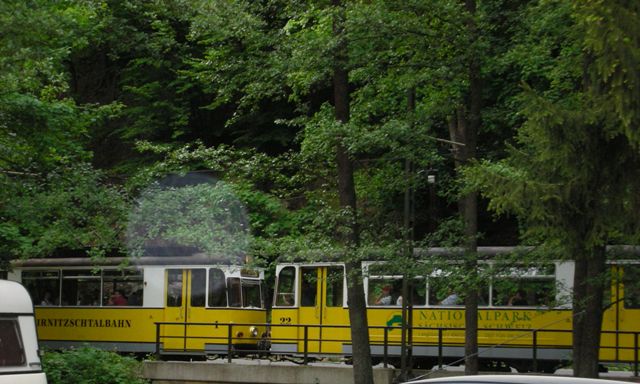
<point>497,319</point>
<point>84,323</point>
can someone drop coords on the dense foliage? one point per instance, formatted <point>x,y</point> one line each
<point>89,365</point>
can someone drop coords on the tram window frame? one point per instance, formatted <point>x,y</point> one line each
<point>174,287</point>
<point>631,286</point>
<point>12,353</point>
<point>83,285</point>
<point>285,287</point>
<point>217,288</point>
<point>129,282</point>
<point>38,284</point>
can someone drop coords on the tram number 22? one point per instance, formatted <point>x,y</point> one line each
<point>285,320</point>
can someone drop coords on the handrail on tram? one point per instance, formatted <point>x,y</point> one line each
<point>529,334</point>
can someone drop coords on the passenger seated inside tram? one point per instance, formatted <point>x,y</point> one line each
<point>518,298</point>
<point>385,297</point>
<point>117,298</point>
<point>46,300</point>
<point>451,299</point>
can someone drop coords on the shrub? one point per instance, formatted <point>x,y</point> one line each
<point>91,366</point>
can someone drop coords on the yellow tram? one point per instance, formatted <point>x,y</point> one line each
<point>524,316</point>
<point>170,305</point>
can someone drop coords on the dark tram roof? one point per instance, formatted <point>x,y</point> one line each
<point>484,252</point>
<point>193,259</point>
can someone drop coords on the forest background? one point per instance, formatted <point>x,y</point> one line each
<point>531,104</point>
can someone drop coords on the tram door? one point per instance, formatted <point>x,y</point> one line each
<point>322,305</point>
<point>184,303</point>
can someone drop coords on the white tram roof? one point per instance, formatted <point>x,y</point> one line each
<point>14,298</point>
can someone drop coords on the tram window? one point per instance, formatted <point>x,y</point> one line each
<point>523,292</point>
<point>80,287</point>
<point>285,287</point>
<point>439,290</point>
<point>384,291</point>
<point>631,281</point>
<point>309,287</point>
<point>235,292</point>
<point>419,294</point>
<point>174,287</point>
<point>217,288</point>
<point>251,295</point>
<point>43,286</point>
<point>335,287</point>
<point>122,287</point>
<point>442,292</point>
<point>11,349</point>
<point>198,287</point>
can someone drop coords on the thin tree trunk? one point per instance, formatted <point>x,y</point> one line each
<point>470,203</point>
<point>587,310</point>
<point>463,128</point>
<point>462,132</point>
<point>362,366</point>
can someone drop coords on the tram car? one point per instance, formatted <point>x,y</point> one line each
<point>524,318</point>
<point>169,305</point>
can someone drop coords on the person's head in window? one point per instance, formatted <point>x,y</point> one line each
<point>518,298</point>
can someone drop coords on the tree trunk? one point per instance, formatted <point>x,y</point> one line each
<point>362,366</point>
<point>470,203</point>
<point>462,132</point>
<point>463,128</point>
<point>588,283</point>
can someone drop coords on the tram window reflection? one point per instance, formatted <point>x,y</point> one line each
<point>308,288</point>
<point>285,287</point>
<point>235,292</point>
<point>127,283</point>
<point>43,286</point>
<point>198,287</point>
<point>523,292</point>
<point>81,287</point>
<point>174,287</point>
<point>419,294</point>
<point>631,281</point>
<point>251,295</point>
<point>335,287</point>
<point>217,288</point>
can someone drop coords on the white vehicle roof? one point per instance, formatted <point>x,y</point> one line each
<point>513,379</point>
<point>14,298</point>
